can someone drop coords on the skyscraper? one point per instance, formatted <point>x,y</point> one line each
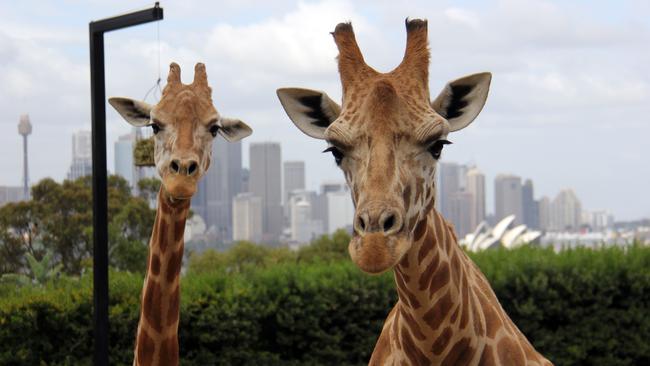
<point>476,187</point>
<point>508,197</point>
<point>566,211</point>
<point>544,213</point>
<point>294,178</point>
<point>460,206</point>
<point>449,174</point>
<point>303,226</point>
<point>217,189</point>
<point>529,205</point>
<point>265,181</point>
<point>340,210</point>
<point>81,155</point>
<point>124,166</point>
<point>247,217</point>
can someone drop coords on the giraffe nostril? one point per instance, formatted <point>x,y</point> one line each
<point>192,168</point>
<point>361,222</point>
<point>174,166</point>
<point>389,223</point>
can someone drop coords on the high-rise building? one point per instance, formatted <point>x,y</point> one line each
<point>460,206</point>
<point>340,210</point>
<point>476,187</point>
<point>294,178</point>
<point>247,217</point>
<point>508,197</point>
<point>217,189</point>
<point>82,164</point>
<point>544,213</point>
<point>529,205</point>
<point>124,166</point>
<point>449,183</point>
<point>598,220</point>
<point>566,211</point>
<point>266,182</point>
<point>303,226</point>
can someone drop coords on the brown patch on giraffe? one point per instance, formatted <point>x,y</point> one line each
<point>454,316</point>
<point>412,352</point>
<point>412,222</point>
<point>464,318</point>
<point>163,235</point>
<point>404,292</point>
<point>492,319</point>
<point>396,327</point>
<point>179,230</point>
<point>461,353</point>
<point>412,324</point>
<point>476,317</point>
<point>173,309</point>
<point>487,357</point>
<point>509,352</point>
<point>151,306</point>
<point>146,348</point>
<point>169,351</point>
<point>419,184</point>
<point>427,274</point>
<point>436,315</point>
<point>420,230</point>
<point>405,262</point>
<point>155,264</point>
<point>455,264</point>
<point>442,341</point>
<point>174,265</point>
<point>440,279</point>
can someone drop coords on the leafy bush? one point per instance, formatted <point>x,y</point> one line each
<point>578,307</point>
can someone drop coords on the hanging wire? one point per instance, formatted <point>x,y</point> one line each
<point>156,89</point>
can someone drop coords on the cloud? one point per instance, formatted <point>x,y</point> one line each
<point>568,79</point>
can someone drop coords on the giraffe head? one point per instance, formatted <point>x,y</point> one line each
<point>184,123</point>
<point>387,138</point>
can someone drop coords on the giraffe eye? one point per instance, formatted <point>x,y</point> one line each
<point>436,148</point>
<point>214,129</point>
<point>338,154</point>
<point>156,128</point>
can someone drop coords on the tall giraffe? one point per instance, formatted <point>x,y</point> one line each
<point>184,124</point>
<point>387,138</point>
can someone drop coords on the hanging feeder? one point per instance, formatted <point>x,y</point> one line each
<point>143,152</point>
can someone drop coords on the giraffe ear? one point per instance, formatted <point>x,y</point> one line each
<point>461,100</point>
<point>233,129</point>
<point>133,111</point>
<point>312,111</point>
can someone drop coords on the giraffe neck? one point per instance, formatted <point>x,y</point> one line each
<point>157,335</point>
<point>447,313</point>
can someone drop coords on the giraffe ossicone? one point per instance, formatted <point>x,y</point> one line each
<point>387,137</point>
<point>185,123</point>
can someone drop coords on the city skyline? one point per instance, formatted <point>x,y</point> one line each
<point>549,115</point>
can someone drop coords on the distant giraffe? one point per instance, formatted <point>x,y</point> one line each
<point>387,138</point>
<point>184,123</point>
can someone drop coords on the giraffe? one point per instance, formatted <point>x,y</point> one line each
<point>387,138</point>
<point>184,124</point>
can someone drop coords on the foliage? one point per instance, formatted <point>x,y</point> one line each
<point>149,188</point>
<point>40,272</point>
<point>143,152</point>
<point>578,307</point>
<point>59,219</point>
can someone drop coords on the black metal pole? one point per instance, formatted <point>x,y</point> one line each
<point>100,181</point>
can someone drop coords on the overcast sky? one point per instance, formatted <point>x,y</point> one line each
<point>568,107</point>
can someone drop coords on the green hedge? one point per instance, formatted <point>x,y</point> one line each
<point>579,307</point>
